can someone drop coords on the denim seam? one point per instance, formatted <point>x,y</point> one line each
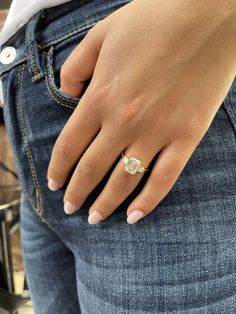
<point>31,59</point>
<point>7,69</point>
<point>49,67</point>
<point>46,44</point>
<point>52,91</point>
<point>75,31</point>
<point>38,194</point>
<point>59,102</point>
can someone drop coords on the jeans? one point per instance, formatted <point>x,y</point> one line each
<point>181,258</point>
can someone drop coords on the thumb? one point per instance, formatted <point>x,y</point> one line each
<point>80,64</point>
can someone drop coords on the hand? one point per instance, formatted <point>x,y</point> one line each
<point>160,71</point>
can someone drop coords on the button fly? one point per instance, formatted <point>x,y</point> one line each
<point>8,55</point>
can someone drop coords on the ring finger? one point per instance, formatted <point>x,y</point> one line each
<point>120,184</point>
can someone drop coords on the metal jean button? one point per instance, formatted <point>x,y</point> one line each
<point>8,55</point>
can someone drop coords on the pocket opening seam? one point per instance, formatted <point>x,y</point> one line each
<point>51,86</point>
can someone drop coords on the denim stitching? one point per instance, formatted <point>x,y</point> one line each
<point>37,76</point>
<point>51,89</point>
<point>38,194</point>
<point>81,29</point>
<point>48,88</point>
<point>49,67</point>
<point>31,45</point>
<point>46,46</point>
<point>31,58</point>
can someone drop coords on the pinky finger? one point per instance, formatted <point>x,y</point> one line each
<point>168,167</point>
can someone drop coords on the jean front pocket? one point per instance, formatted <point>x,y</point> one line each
<point>53,85</point>
<point>52,61</point>
<point>44,112</point>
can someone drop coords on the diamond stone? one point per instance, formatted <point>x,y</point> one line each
<point>132,165</point>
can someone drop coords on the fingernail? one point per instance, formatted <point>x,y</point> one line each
<point>94,217</point>
<point>53,185</point>
<point>69,208</point>
<point>134,216</point>
<point>61,89</point>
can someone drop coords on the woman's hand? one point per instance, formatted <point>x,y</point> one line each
<point>160,71</point>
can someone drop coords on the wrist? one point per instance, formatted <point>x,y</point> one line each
<point>232,22</point>
<point>222,14</point>
<point>228,8</point>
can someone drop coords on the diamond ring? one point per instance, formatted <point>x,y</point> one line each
<point>132,164</point>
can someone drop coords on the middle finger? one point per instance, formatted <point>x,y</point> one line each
<point>91,168</point>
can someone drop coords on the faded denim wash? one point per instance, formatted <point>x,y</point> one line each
<point>180,259</point>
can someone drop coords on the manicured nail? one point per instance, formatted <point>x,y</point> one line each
<point>94,217</point>
<point>69,208</point>
<point>134,216</point>
<point>53,185</point>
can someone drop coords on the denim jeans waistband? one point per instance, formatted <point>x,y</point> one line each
<point>52,25</point>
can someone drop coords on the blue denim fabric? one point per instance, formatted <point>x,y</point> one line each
<point>180,259</point>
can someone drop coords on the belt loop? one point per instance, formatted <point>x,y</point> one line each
<point>32,49</point>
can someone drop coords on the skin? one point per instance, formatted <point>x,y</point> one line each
<point>160,71</point>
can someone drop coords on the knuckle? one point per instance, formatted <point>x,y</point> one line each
<point>168,177</point>
<point>99,92</point>
<point>86,172</point>
<point>95,99</point>
<point>128,114</point>
<point>63,148</point>
<point>123,183</point>
<point>73,197</point>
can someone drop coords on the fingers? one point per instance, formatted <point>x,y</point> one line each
<point>167,169</point>
<point>80,64</point>
<point>92,167</point>
<point>119,186</point>
<point>84,124</point>
<point>77,134</point>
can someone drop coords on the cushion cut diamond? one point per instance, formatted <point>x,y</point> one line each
<point>132,165</point>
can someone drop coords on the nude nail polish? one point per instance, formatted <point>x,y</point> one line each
<point>94,217</point>
<point>69,208</point>
<point>134,216</point>
<point>53,185</point>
